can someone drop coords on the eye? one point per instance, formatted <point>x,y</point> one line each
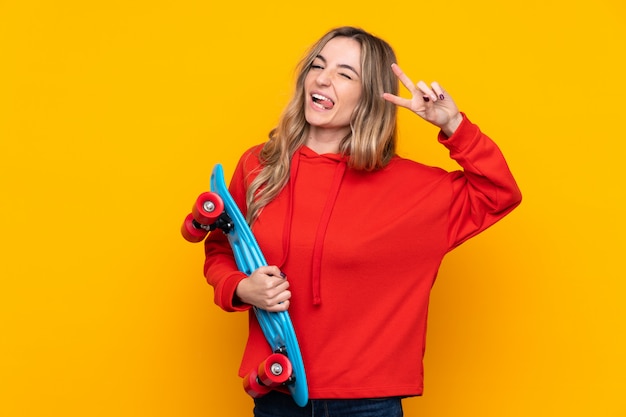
<point>316,66</point>
<point>345,76</point>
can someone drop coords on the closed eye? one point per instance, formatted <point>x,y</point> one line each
<point>318,62</point>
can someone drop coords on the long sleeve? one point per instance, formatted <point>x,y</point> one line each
<point>485,191</point>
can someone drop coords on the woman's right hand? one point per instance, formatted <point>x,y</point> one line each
<point>266,288</point>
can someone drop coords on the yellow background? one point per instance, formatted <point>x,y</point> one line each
<point>112,114</point>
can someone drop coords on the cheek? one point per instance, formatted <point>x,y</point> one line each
<point>355,98</point>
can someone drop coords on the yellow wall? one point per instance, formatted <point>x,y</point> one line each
<point>112,114</point>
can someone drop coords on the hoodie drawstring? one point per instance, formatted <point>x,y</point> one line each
<point>320,235</point>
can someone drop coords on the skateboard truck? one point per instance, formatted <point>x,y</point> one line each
<point>223,222</point>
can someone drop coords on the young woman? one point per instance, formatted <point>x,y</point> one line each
<point>353,232</point>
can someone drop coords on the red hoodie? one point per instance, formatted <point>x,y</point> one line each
<point>361,251</point>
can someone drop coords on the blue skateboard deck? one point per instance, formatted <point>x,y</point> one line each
<point>276,326</point>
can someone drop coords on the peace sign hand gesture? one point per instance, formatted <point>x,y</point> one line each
<point>433,103</point>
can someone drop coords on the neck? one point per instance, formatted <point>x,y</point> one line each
<point>325,141</point>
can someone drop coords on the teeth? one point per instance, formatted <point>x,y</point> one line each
<point>320,97</point>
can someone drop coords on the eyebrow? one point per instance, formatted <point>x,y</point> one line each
<point>346,66</point>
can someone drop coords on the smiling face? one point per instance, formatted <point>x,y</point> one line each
<point>333,89</point>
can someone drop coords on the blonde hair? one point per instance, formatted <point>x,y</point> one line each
<point>372,141</point>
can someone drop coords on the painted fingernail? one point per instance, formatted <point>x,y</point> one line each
<point>441,97</point>
<point>426,98</point>
<point>282,275</point>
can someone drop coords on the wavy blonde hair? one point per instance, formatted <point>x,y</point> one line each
<point>372,141</point>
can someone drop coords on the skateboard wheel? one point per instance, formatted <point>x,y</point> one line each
<point>253,386</point>
<point>275,370</point>
<point>190,232</point>
<point>207,208</point>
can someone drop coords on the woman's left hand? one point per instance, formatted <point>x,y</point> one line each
<point>433,103</point>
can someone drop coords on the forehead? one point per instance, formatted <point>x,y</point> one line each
<point>342,50</point>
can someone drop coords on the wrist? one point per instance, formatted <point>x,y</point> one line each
<point>453,124</point>
<point>239,297</point>
<point>239,290</point>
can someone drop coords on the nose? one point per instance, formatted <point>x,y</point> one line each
<point>323,78</point>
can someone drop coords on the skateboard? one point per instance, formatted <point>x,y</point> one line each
<point>284,368</point>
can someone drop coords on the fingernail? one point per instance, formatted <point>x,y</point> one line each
<point>441,97</point>
<point>426,98</point>
<point>282,275</point>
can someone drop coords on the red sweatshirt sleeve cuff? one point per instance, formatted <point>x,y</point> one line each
<point>465,129</point>
<point>225,294</point>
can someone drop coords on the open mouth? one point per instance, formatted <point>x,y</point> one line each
<point>322,102</point>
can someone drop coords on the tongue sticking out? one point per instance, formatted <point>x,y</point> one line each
<point>323,102</point>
